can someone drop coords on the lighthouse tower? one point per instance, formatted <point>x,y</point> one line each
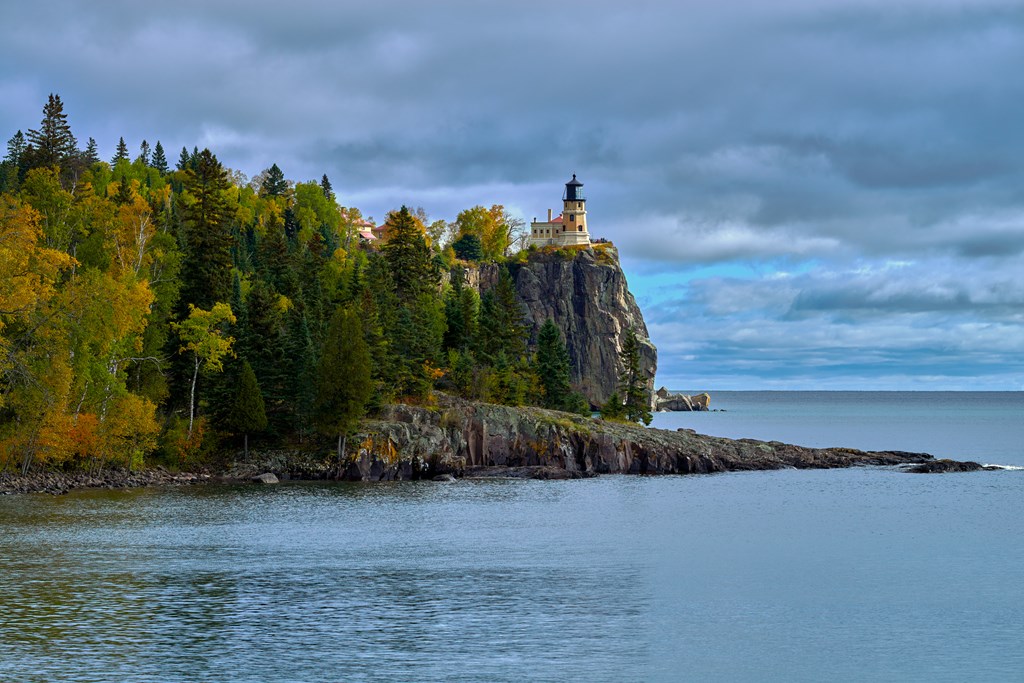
<point>570,228</point>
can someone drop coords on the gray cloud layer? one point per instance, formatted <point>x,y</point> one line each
<point>721,142</point>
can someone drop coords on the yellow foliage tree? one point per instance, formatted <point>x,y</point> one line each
<point>202,335</point>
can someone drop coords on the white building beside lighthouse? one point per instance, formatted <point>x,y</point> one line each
<point>570,227</point>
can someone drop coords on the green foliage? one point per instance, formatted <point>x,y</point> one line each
<point>613,409</point>
<point>344,383</point>
<point>248,414</point>
<point>274,184</point>
<point>553,370</point>
<point>468,248</point>
<point>114,326</point>
<point>52,144</point>
<point>632,382</point>
<point>408,256</point>
<point>159,161</point>
<point>121,154</point>
<point>206,210</point>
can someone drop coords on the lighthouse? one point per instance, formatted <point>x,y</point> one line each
<point>570,227</point>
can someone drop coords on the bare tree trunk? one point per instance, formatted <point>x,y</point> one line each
<point>192,398</point>
<point>247,446</point>
<point>341,451</point>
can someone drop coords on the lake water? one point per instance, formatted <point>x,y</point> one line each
<point>861,574</point>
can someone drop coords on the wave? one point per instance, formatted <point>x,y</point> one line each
<point>1004,467</point>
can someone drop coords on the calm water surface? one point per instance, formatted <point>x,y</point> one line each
<point>793,575</point>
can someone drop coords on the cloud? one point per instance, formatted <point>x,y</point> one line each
<point>816,138</point>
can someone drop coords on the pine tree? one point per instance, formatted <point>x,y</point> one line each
<point>206,275</point>
<point>159,159</point>
<point>613,408</point>
<point>408,256</point>
<point>144,153</point>
<point>52,144</point>
<point>468,248</point>
<point>502,324</point>
<point>248,413</point>
<point>15,148</point>
<point>121,154</point>
<point>461,308</point>
<point>553,370</point>
<point>344,382</point>
<point>184,160</point>
<point>632,382</point>
<point>274,184</point>
<point>91,155</point>
<point>124,192</point>
<point>325,185</point>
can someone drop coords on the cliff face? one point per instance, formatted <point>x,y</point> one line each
<point>586,295</point>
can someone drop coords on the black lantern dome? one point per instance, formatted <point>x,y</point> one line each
<point>574,191</point>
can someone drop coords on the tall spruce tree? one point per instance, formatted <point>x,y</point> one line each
<point>274,184</point>
<point>184,160</point>
<point>16,148</point>
<point>502,322</point>
<point>554,371</point>
<point>248,414</point>
<point>206,273</point>
<point>344,379</point>
<point>325,185</point>
<point>91,155</point>
<point>632,382</point>
<point>408,256</point>
<point>159,161</point>
<point>144,153</point>
<point>121,154</point>
<point>52,143</point>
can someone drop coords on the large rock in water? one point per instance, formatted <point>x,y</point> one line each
<point>665,400</point>
<point>585,293</point>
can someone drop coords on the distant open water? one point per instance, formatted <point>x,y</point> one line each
<point>834,575</point>
<point>984,426</point>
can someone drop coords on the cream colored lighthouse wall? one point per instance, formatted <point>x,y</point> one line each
<point>579,211</point>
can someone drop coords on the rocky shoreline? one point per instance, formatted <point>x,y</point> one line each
<point>461,439</point>
<point>58,483</point>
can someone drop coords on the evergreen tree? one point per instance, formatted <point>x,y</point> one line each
<point>248,413</point>
<point>124,192</point>
<point>92,154</point>
<point>553,370</point>
<point>121,154</point>
<point>613,409</point>
<point>502,324</point>
<point>15,148</point>
<point>159,158</point>
<point>409,258</point>
<point>325,185</point>
<point>206,275</point>
<point>52,144</point>
<point>468,248</point>
<point>632,382</point>
<point>184,160</point>
<point>344,382</point>
<point>144,153</point>
<point>461,308</point>
<point>274,184</point>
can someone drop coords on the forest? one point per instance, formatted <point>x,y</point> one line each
<point>153,313</point>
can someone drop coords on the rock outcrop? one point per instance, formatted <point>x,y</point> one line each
<point>472,439</point>
<point>585,293</point>
<point>667,401</point>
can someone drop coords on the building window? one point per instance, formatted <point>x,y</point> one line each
<point>572,218</point>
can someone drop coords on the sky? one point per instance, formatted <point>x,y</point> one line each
<point>805,194</point>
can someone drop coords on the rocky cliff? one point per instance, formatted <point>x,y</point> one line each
<point>585,293</point>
